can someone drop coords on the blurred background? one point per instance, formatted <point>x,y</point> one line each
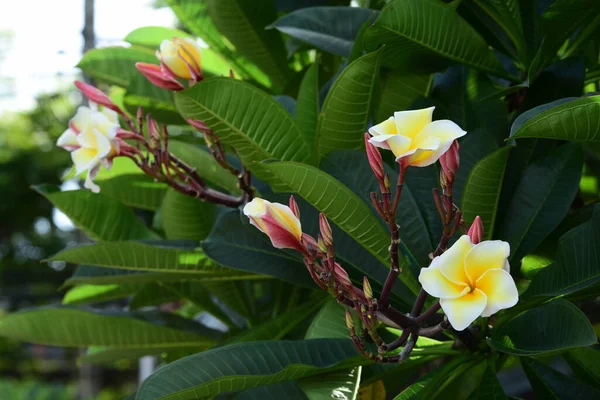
<point>40,45</point>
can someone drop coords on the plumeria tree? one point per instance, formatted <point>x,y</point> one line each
<point>391,200</point>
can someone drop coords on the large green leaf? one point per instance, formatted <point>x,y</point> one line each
<point>246,119</point>
<point>339,204</point>
<point>399,90</point>
<point>186,217</point>
<point>145,257</point>
<point>337,385</point>
<point>243,22</point>
<point>157,102</point>
<point>585,362</point>
<point>542,199</point>
<point>548,383</point>
<point>134,190</point>
<point>482,190</point>
<point>430,34</point>
<point>559,326</point>
<point>73,327</point>
<point>153,294</point>
<point>241,246</point>
<point>332,29</point>
<point>99,216</point>
<point>330,322</point>
<point>92,275</point>
<point>489,387</point>
<point>115,65</point>
<point>577,263</point>
<point>345,113</point>
<point>307,106</point>
<point>86,294</point>
<point>247,365</point>
<point>577,120</point>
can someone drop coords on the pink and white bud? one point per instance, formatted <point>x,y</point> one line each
<point>277,221</point>
<point>476,231</point>
<point>294,207</point>
<point>181,58</point>
<point>375,160</point>
<point>198,125</point>
<point>97,96</point>
<point>155,74</point>
<point>450,162</point>
<point>341,277</point>
<point>325,230</point>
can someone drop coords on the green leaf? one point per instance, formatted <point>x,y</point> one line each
<point>84,208</point>
<point>86,294</point>
<point>246,119</point>
<point>73,327</point>
<point>115,65</point>
<point>337,385</point>
<point>243,22</point>
<point>102,355</point>
<point>134,190</point>
<point>247,365</point>
<point>307,106</point>
<point>186,217</point>
<point>399,90</point>
<point>339,204</point>
<point>577,263</point>
<point>559,326</point>
<point>585,362</point>
<point>489,387</point>
<point>506,13</point>
<point>542,199</point>
<point>548,383</point>
<point>205,165</point>
<point>577,120</point>
<point>153,294</point>
<point>88,274</point>
<point>345,113</point>
<point>232,294</point>
<point>241,246</point>
<point>482,190</point>
<point>154,101</point>
<point>144,257</point>
<point>332,29</point>
<point>152,36</point>
<point>430,34</point>
<point>330,322</point>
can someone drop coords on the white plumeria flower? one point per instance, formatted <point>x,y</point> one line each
<point>277,221</point>
<point>471,280</point>
<point>92,140</point>
<point>413,138</point>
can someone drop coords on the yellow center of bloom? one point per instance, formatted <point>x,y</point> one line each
<point>181,55</point>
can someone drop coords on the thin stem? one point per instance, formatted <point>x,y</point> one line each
<point>431,311</point>
<point>398,342</point>
<point>410,345</point>
<point>419,303</point>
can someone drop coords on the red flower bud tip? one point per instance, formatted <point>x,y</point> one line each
<point>450,161</point>
<point>374,157</point>
<point>97,96</point>
<point>158,77</point>
<point>198,125</point>
<point>325,230</point>
<point>476,231</point>
<point>294,207</point>
<point>341,277</point>
<point>153,129</point>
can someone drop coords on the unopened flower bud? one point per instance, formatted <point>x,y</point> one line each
<point>367,288</point>
<point>277,221</point>
<point>97,96</point>
<point>450,161</point>
<point>341,277</point>
<point>158,77</point>
<point>198,125</point>
<point>325,230</point>
<point>181,58</point>
<point>321,244</point>
<point>309,242</point>
<point>386,182</point>
<point>294,207</point>
<point>349,320</point>
<point>375,160</point>
<point>476,230</point>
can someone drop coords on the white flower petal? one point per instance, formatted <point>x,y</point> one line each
<point>410,123</point>
<point>387,127</point>
<point>487,255</point>
<point>462,311</point>
<point>89,183</point>
<point>444,129</point>
<point>81,118</point>
<point>452,262</point>
<point>436,284</point>
<point>84,159</point>
<point>68,140</point>
<point>500,289</point>
<point>424,158</point>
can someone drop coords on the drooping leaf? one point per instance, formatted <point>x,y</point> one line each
<point>186,217</point>
<point>489,387</point>
<point>482,190</point>
<point>328,323</point>
<point>115,65</point>
<point>548,383</point>
<point>73,327</point>
<point>238,368</point>
<point>336,385</point>
<point>84,208</point>
<point>246,119</point>
<point>134,190</point>
<point>87,294</point>
<point>153,294</point>
<point>577,263</point>
<point>399,90</point>
<point>585,362</point>
<point>307,106</point>
<point>577,120</point>
<point>88,274</point>
<point>430,34</point>
<point>542,199</point>
<point>332,29</point>
<point>558,325</point>
<point>345,113</point>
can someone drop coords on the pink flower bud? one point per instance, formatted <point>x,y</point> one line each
<point>198,125</point>
<point>97,96</point>
<point>294,207</point>
<point>325,230</point>
<point>476,231</point>
<point>450,161</point>
<point>158,77</point>
<point>374,157</point>
<point>277,221</point>
<point>309,242</point>
<point>341,277</point>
